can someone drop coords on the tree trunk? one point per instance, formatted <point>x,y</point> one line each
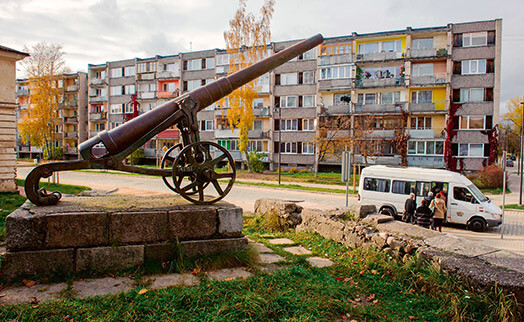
<point>248,163</point>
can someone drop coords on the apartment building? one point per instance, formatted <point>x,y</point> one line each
<point>394,97</point>
<point>72,128</point>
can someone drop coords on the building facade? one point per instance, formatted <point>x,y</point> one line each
<point>420,97</point>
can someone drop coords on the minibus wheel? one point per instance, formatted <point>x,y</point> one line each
<point>477,224</point>
<point>387,211</point>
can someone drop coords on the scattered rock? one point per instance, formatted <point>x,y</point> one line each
<point>298,250</point>
<point>319,262</point>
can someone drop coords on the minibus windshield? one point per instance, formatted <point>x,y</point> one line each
<point>477,193</point>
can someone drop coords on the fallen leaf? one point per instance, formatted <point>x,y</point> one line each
<point>362,272</point>
<point>382,275</point>
<point>375,301</point>
<point>33,300</point>
<point>117,284</point>
<point>424,289</point>
<point>358,299</point>
<point>195,271</point>
<point>2,295</point>
<point>411,290</point>
<point>374,271</point>
<point>411,317</point>
<point>339,278</point>
<point>35,306</point>
<point>352,282</point>
<point>142,291</point>
<point>370,297</point>
<point>80,279</point>
<point>29,283</point>
<point>230,279</point>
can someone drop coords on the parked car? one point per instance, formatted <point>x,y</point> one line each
<point>509,163</point>
<point>512,157</point>
<point>388,187</point>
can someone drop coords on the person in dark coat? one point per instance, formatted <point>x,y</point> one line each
<point>424,215</point>
<point>409,209</point>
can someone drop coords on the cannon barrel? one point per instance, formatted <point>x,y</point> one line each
<point>123,136</point>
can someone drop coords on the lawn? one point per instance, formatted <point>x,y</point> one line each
<point>364,284</point>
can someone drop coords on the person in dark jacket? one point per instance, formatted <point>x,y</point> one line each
<point>424,215</point>
<point>409,209</point>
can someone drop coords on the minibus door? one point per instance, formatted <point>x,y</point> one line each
<point>461,205</point>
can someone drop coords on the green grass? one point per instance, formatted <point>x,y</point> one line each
<point>294,187</point>
<point>402,291</point>
<point>514,206</point>
<point>63,188</point>
<point>497,191</point>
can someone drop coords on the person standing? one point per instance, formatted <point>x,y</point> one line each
<point>424,214</point>
<point>409,209</point>
<point>439,212</point>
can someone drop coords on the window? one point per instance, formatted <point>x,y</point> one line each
<point>403,187</point>
<point>193,84</point>
<point>367,98</point>
<point>115,124</point>
<point>420,123</point>
<point>390,97</point>
<point>475,39</point>
<point>230,145</point>
<point>256,145</point>
<point>147,67</point>
<point>288,125</point>
<point>472,94</point>
<point>472,122</point>
<point>308,125</point>
<point>471,150</point>
<point>222,59</point>
<point>462,194</point>
<point>471,67</point>
<point>100,127</point>
<point>170,67</point>
<point>308,78</point>
<point>206,125</point>
<point>381,46</point>
<point>194,64</point>
<point>288,147</point>
<point>116,72</point>
<point>130,89</point>
<point>168,87</point>
<point>116,108</point>
<point>335,72</point>
<point>145,88</point>
<point>421,96</point>
<point>210,63</point>
<point>257,125</point>
<point>381,72</point>
<point>423,43</point>
<point>258,102</point>
<point>308,148</point>
<point>310,54</point>
<point>289,101</point>
<point>289,79</point>
<point>426,147</point>
<point>129,71</point>
<point>422,70</point>
<point>308,100</point>
<point>380,185</point>
<point>128,108</point>
<point>335,49</point>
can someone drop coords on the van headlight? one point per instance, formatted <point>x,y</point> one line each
<point>496,216</point>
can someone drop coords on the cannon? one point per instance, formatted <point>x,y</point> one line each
<point>195,165</point>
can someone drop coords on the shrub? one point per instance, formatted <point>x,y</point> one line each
<point>255,159</point>
<point>58,153</point>
<point>303,171</point>
<point>292,170</point>
<point>491,177</point>
<point>137,156</point>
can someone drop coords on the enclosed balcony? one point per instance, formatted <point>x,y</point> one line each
<point>424,107</point>
<point>146,95</point>
<point>70,120</point>
<point>72,88</point>
<point>428,53</point>
<point>98,116</point>
<point>378,108</point>
<point>22,92</point>
<point>382,56</point>
<point>97,81</point>
<point>379,82</point>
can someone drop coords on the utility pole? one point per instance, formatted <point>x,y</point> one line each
<point>520,159</point>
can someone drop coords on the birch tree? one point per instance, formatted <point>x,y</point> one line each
<point>246,42</point>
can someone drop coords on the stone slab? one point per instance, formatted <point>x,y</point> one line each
<point>39,261</point>
<point>298,250</point>
<point>77,230</point>
<point>230,222</point>
<point>228,274</point>
<point>193,248</point>
<point>319,262</point>
<point>378,219</point>
<point>171,280</point>
<point>505,259</point>
<point>281,241</point>
<point>25,230</point>
<point>102,286</point>
<point>403,228</point>
<point>162,252</point>
<point>459,246</point>
<point>24,295</point>
<point>138,227</point>
<point>102,258</point>
<point>195,223</point>
<point>270,258</point>
<point>261,248</point>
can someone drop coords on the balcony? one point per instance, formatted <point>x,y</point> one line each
<point>258,134</point>
<point>337,110</point>
<point>428,53</point>
<point>22,92</point>
<point>168,74</point>
<point>71,104</point>
<point>146,77</point>
<point>72,88</point>
<point>168,94</point>
<point>70,120</point>
<point>382,56</point>
<point>378,108</point>
<point>71,135</point>
<point>98,99</point>
<point>429,161</point>
<point>71,151</point>
<point>258,112</point>
<point>227,133</point>
<point>98,116</point>
<point>432,133</point>
<point>435,106</point>
<point>379,82</point>
<point>262,88</point>
<point>146,95</point>
<point>97,81</point>
<point>437,79</point>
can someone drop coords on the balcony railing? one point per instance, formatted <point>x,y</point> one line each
<point>71,151</point>
<point>98,99</point>
<point>436,79</point>
<point>71,135</point>
<point>22,92</point>
<point>428,52</point>
<point>97,81</point>
<point>72,88</point>
<point>435,106</point>
<point>380,56</point>
<point>264,111</point>
<point>146,95</point>
<point>380,82</point>
<point>378,108</point>
<point>167,94</point>
<point>429,133</point>
<point>70,120</point>
<point>97,116</point>
<point>168,74</point>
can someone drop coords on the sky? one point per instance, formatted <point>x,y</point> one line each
<point>96,31</point>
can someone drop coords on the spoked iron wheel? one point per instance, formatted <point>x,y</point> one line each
<point>167,162</point>
<point>198,163</point>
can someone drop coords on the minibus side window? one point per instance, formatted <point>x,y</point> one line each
<point>403,187</point>
<point>462,194</point>
<point>373,184</point>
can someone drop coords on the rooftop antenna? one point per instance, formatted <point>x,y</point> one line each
<point>190,46</point>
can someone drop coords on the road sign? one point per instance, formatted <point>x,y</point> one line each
<point>164,149</point>
<point>346,167</point>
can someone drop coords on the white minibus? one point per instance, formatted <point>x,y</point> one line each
<point>388,187</point>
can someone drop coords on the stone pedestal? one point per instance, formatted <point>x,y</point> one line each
<point>100,233</point>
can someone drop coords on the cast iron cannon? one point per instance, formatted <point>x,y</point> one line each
<point>194,163</point>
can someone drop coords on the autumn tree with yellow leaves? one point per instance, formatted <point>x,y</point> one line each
<point>512,124</point>
<point>246,42</point>
<point>44,68</point>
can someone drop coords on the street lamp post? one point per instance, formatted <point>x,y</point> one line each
<point>520,157</point>
<point>277,107</point>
